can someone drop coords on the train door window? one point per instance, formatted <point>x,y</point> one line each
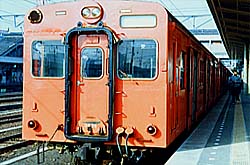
<point>91,62</point>
<point>47,58</point>
<point>182,69</point>
<point>137,59</point>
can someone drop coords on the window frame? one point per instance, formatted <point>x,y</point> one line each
<point>103,63</point>
<point>31,60</point>
<point>138,26</point>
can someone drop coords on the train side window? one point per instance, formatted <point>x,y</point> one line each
<point>91,62</point>
<point>182,70</point>
<point>137,59</point>
<point>202,72</point>
<point>177,78</point>
<point>47,58</point>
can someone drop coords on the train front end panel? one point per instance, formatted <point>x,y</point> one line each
<point>98,73</point>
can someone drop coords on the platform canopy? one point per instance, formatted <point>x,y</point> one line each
<point>233,21</point>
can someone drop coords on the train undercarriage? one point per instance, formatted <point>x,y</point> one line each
<point>99,154</point>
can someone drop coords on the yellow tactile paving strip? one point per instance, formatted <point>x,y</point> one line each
<point>239,148</point>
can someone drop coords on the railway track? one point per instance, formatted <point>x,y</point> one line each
<point>11,139</point>
<point>23,156</point>
<point>10,117</point>
<point>10,122</point>
<point>10,101</point>
<point>10,108</point>
<point>11,142</point>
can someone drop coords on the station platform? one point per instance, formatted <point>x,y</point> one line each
<point>222,137</point>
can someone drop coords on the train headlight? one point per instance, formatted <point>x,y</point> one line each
<point>85,12</point>
<point>96,12</point>
<point>35,16</point>
<point>32,124</point>
<point>151,129</point>
<point>92,14</point>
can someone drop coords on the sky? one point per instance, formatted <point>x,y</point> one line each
<point>179,8</point>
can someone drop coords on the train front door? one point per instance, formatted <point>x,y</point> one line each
<point>90,104</point>
<point>92,90</point>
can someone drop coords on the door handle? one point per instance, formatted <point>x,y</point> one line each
<point>107,84</point>
<point>62,91</point>
<point>80,83</point>
<point>124,94</point>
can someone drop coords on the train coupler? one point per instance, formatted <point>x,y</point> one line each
<point>86,152</point>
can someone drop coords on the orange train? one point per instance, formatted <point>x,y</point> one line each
<point>123,76</point>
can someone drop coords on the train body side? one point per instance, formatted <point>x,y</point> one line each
<point>196,79</point>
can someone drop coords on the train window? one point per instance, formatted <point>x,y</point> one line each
<point>137,59</point>
<point>202,72</point>
<point>138,21</point>
<point>177,78</point>
<point>47,58</point>
<point>91,62</point>
<point>182,69</point>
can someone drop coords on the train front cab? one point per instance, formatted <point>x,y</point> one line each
<point>115,80</point>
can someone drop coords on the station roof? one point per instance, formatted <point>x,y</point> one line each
<point>9,42</point>
<point>233,20</point>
